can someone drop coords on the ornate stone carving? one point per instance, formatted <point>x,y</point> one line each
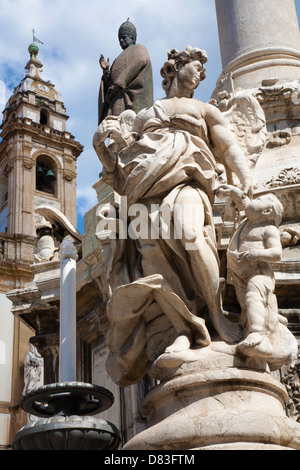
<point>128,83</point>
<point>51,226</point>
<point>33,370</point>
<point>290,235</point>
<point>45,248</point>
<point>280,137</point>
<point>290,377</point>
<point>275,90</point>
<point>68,249</point>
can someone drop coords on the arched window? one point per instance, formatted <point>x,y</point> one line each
<point>44,117</point>
<point>46,175</point>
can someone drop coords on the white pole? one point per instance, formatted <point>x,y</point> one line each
<point>67,357</point>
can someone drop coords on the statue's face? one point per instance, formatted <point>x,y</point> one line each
<point>190,74</point>
<point>258,209</point>
<point>126,41</point>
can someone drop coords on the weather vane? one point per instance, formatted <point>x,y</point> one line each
<point>35,39</point>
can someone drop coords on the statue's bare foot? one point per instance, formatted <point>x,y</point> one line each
<point>256,344</point>
<point>181,343</point>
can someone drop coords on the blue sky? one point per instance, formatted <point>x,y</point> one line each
<point>75,33</point>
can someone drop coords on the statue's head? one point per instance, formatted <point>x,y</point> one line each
<point>177,60</point>
<point>127,34</point>
<point>265,208</point>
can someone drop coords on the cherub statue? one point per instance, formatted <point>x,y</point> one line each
<point>254,246</point>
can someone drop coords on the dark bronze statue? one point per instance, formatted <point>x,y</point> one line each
<point>128,83</point>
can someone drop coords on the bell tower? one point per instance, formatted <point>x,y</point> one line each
<point>37,168</point>
<point>37,154</point>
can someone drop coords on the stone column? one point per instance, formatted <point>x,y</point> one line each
<point>67,359</point>
<point>258,40</point>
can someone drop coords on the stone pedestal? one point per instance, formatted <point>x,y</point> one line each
<point>217,403</point>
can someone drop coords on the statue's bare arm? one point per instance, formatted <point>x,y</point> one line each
<point>227,147</point>
<point>103,132</point>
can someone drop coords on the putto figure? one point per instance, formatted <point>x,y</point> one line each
<point>164,292</point>
<point>128,83</point>
<point>254,247</point>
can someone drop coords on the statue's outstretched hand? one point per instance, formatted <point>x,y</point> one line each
<point>109,127</point>
<point>104,64</point>
<point>247,186</point>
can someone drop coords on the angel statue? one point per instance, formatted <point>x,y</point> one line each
<point>165,284</point>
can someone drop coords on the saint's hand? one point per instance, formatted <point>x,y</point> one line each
<point>104,64</point>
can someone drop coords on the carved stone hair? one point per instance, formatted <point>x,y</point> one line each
<point>177,59</point>
<point>277,209</point>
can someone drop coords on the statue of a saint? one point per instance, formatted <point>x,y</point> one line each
<point>165,288</point>
<point>128,83</point>
<point>33,369</point>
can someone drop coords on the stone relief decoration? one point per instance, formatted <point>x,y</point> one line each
<point>247,121</point>
<point>280,137</point>
<point>290,235</point>
<point>52,226</point>
<point>33,373</point>
<point>285,177</point>
<point>125,87</point>
<point>45,248</point>
<point>160,261</point>
<point>225,80</point>
<point>67,249</point>
<point>288,95</point>
<point>290,377</point>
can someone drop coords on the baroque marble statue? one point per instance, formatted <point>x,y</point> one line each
<point>33,369</point>
<point>254,246</point>
<point>128,83</point>
<point>164,291</point>
<point>52,226</point>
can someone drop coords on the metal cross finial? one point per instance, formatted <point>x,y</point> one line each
<point>35,39</point>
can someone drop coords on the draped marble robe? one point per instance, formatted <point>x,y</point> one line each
<point>150,277</point>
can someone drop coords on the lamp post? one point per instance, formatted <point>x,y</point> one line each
<point>66,408</point>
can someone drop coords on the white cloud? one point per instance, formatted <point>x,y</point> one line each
<point>76,32</point>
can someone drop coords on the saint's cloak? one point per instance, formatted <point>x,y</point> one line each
<point>132,73</point>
